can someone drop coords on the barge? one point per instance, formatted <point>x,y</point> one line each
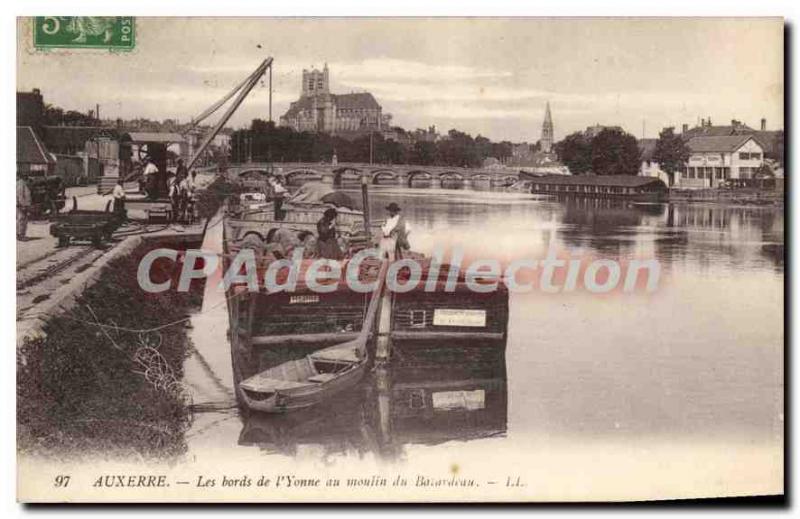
<point>625,187</point>
<point>303,324</point>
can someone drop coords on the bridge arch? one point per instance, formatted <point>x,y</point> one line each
<point>418,174</point>
<point>383,173</point>
<point>452,180</point>
<point>339,174</point>
<point>451,175</point>
<point>252,173</point>
<point>302,175</point>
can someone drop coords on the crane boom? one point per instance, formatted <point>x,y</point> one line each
<point>243,89</point>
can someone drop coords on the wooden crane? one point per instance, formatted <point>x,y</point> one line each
<point>242,89</point>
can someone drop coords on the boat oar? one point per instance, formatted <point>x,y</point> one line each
<point>365,203</point>
<point>374,302</point>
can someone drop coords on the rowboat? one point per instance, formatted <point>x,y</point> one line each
<point>419,400</point>
<point>305,382</point>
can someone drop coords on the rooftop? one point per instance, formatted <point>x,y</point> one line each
<point>722,143</point>
<point>162,137</point>
<point>718,131</point>
<point>30,149</point>
<point>358,101</point>
<point>593,180</point>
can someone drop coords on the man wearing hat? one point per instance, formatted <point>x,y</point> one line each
<point>397,229</point>
<point>327,243</point>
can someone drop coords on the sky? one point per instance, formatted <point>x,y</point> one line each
<point>488,76</point>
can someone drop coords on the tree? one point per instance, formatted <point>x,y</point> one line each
<point>671,153</point>
<point>423,153</point>
<point>502,150</point>
<point>764,171</point>
<point>615,152</point>
<point>575,152</point>
<point>776,150</point>
<point>264,141</point>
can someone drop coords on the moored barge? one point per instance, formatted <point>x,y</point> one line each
<point>268,326</point>
<point>626,187</point>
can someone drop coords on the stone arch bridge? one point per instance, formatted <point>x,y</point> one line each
<point>401,174</point>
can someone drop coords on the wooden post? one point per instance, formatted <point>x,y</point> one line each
<point>383,349</point>
<point>270,94</point>
<point>365,203</point>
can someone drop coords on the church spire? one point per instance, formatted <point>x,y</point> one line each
<point>547,131</point>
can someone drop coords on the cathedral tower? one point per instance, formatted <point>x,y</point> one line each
<point>315,82</point>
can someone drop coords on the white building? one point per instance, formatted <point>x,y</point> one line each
<point>649,167</point>
<point>715,159</point>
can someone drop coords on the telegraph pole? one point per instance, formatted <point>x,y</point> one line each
<point>270,94</point>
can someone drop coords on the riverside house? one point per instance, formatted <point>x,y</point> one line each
<point>715,159</point>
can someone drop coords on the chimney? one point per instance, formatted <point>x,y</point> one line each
<point>702,123</point>
<point>708,121</point>
<point>685,128</point>
<point>763,124</point>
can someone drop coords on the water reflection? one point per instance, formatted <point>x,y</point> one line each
<point>416,399</point>
<point>725,236</point>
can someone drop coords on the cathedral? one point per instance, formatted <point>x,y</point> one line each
<point>318,110</point>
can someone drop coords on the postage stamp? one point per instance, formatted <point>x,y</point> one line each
<point>89,32</point>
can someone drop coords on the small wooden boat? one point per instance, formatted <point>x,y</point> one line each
<point>305,382</point>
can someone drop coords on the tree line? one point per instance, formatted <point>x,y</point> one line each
<point>616,152</point>
<point>264,141</point>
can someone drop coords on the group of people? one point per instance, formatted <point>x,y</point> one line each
<point>282,241</point>
<point>181,189</point>
<point>395,231</point>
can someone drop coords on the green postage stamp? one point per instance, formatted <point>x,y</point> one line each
<point>87,32</point>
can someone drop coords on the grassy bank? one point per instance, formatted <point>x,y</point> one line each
<point>109,389</point>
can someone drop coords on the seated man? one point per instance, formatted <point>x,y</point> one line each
<point>309,243</point>
<point>284,241</point>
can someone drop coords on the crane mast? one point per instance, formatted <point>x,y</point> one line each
<point>243,90</point>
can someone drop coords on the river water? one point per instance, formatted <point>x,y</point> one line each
<point>678,392</point>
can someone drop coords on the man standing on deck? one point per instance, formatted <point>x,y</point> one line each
<point>119,198</point>
<point>191,181</point>
<point>327,237</point>
<point>181,171</point>
<point>278,194</point>
<point>396,230</point>
<point>23,206</point>
<point>150,173</point>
